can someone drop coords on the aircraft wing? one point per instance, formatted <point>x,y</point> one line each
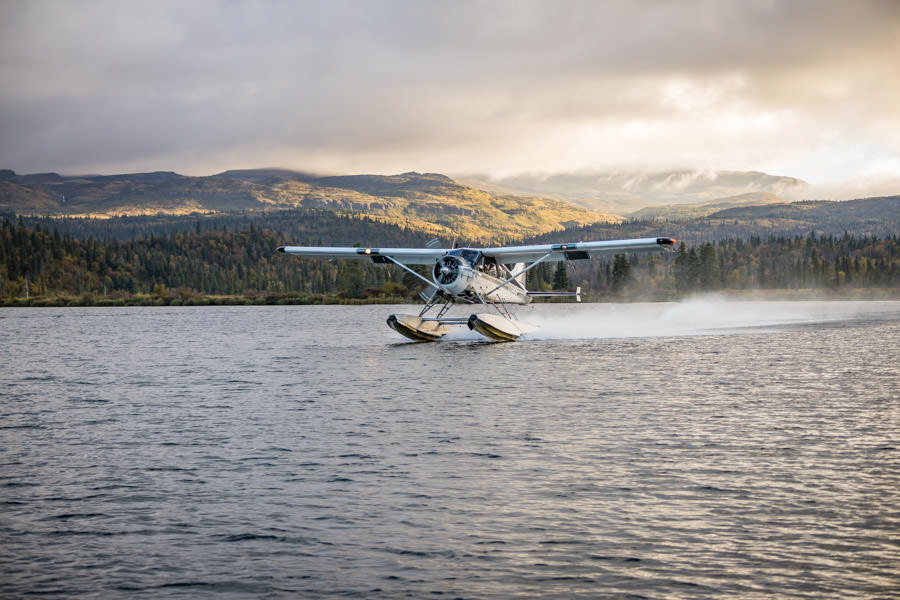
<point>574,251</point>
<point>405,256</point>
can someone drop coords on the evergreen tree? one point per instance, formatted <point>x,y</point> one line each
<point>561,276</point>
<point>351,280</point>
<point>709,267</point>
<point>621,274</point>
<point>539,277</point>
<point>682,270</point>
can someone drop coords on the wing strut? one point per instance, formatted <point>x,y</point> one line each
<point>430,283</point>
<point>534,264</point>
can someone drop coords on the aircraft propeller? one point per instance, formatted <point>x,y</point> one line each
<point>447,270</point>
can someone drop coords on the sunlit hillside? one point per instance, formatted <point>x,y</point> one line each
<point>427,202</point>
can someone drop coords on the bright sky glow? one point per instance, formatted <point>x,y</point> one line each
<point>805,88</point>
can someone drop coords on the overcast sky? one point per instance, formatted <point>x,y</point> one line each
<point>806,89</point>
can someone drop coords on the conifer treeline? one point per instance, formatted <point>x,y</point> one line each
<point>39,260</point>
<point>213,261</point>
<point>776,263</point>
<point>790,263</point>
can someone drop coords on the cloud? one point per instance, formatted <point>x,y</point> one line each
<point>804,88</point>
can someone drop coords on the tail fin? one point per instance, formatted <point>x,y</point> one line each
<point>520,278</point>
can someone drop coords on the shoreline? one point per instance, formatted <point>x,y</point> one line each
<point>87,300</point>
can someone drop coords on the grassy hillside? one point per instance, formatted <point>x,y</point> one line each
<point>427,202</point>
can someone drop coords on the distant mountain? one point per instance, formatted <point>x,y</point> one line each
<point>626,192</point>
<point>439,206</point>
<point>865,216</point>
<point>703,209</point>
<point>267,176</point>
<point>427,202</point>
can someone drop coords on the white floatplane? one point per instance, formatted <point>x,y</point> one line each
<point>491,277</point>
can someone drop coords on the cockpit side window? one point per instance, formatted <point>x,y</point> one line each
<point>473,257</point>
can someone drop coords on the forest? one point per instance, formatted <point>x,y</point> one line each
<point>183,260</point>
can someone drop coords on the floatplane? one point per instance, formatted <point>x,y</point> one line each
<point>493,278</point>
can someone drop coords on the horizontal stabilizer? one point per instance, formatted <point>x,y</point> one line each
<point>576,294</point>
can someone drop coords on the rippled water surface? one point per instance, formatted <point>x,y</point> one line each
<point>699,449</point>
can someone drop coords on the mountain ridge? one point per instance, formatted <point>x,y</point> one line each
<point>431,202</point>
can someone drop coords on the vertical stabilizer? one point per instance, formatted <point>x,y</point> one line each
<point>520,279</point>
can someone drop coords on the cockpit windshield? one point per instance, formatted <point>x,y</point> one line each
<point>473,257</point>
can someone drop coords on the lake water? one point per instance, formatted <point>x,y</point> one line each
<point>687,450</point>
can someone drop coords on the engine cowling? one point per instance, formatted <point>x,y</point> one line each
<point>452,274</point>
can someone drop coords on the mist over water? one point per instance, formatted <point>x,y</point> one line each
<point>702,315</point>
<point>709,448</point>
